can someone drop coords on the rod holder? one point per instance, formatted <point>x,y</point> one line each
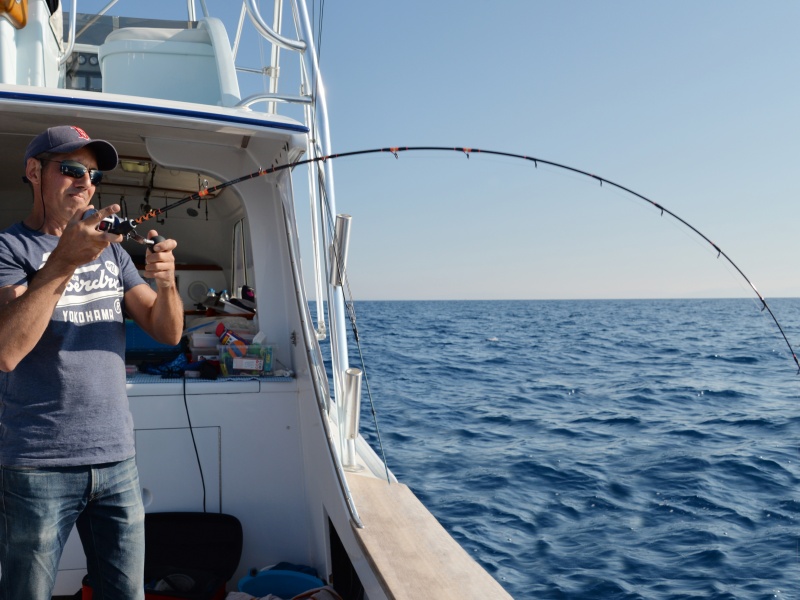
<point>352,415</point>
<point>341,242</point>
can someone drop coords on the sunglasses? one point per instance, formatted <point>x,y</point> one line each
<point>76,170</point>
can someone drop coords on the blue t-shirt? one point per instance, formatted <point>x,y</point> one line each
<point>65,403</point>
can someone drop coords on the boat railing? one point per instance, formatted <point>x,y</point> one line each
<point>269,33</point>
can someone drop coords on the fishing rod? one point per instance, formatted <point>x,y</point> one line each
<point>131,224</point>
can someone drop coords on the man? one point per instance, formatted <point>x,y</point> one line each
<point>66,431</point>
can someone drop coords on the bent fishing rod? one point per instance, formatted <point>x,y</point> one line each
<point>127,226</point>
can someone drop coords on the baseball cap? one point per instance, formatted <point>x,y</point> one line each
<point>68,138</point>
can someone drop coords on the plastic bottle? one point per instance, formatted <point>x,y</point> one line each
<point>224,296</point>
<point>211,298</point>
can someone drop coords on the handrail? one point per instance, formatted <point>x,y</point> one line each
<point>73,17</point>
<point>269,33</point>
<point>267,97</point>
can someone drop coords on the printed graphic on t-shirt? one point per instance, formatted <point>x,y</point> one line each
<point>94,294</point>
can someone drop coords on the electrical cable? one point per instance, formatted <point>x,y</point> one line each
<point>194,442</point>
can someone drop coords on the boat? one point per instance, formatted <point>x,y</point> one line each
<point>271,438</point>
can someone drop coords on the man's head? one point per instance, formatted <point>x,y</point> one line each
<point>65,139</point>
<point>61,165</point>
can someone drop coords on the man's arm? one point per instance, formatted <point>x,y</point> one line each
<point>25,312</point>
<point>159,313</point>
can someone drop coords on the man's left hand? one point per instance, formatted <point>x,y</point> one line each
<point>160,262</point>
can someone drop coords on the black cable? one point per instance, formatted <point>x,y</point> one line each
<point>194,442</point>
<point>41,194</point>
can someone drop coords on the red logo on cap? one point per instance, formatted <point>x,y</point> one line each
<point>81,133</point>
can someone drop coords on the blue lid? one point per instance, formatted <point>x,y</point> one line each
<point>286,584</point>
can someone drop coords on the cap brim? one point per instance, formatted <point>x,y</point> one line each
<point>104,152</point>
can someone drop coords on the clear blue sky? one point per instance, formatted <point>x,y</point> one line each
<point>693,104</point>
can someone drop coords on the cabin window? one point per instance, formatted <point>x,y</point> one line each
<point>83,72</point>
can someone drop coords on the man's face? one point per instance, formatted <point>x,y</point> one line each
<point>62,194</point>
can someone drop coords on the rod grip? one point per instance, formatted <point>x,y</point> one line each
<point>155,240</point>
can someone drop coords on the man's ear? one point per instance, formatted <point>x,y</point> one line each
<point>33,170</point>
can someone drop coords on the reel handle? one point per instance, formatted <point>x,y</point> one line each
<point>153,241</point>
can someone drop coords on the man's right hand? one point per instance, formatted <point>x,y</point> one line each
<point>81,242</point>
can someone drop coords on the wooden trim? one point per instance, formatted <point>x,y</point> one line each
<point>412,554</point>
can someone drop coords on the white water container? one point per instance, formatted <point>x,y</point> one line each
<point>190,65</point>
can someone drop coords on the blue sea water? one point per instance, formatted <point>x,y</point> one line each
<point>598,449</point>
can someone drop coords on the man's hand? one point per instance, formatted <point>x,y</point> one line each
<point>160,262</point>
<point>81,242</point>
<point>159,313</point>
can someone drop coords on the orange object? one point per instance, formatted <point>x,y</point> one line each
<point>236,345</point>
<point>15,11</point>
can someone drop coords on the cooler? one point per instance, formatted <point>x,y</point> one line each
<point>187,555</point>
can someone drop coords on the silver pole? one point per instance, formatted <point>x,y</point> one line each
<point>94,19</point>
<point>341,243</point>
<point>352,415</point>
<point>267,32</point>
<point>73,16</point>
<point>275,59</point>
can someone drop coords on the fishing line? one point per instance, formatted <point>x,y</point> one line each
<point>467,152</point>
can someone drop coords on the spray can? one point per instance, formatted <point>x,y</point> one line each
<point>236,345</point>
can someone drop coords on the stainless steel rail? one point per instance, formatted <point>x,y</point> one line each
<point>269,33</point>
<point>254,99</point>
<point>71,39</point>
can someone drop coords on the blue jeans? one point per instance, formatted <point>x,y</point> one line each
<point>38,508</point>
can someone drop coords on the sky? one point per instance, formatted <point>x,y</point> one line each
<point>692,104</point>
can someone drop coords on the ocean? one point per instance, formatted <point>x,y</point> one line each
<point>630,449</point>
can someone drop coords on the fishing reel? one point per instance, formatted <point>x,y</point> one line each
<point>125,227</point>
<point>113,224</point>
